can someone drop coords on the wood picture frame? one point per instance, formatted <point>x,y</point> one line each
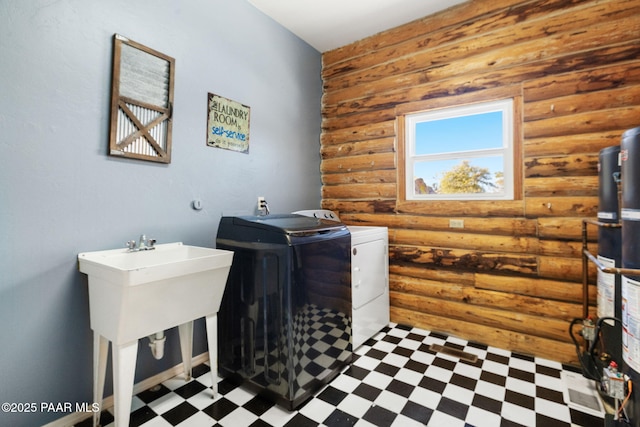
<point>141,102</point>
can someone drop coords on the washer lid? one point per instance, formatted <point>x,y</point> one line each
<point>288,223</point>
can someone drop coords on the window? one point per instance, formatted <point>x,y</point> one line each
<point>461,153</point>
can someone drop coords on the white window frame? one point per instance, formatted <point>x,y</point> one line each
<point>506,106</point>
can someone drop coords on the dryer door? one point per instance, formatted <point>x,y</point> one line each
<point>368,273</point>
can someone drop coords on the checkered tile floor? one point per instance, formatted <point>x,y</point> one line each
<point>395,380</point>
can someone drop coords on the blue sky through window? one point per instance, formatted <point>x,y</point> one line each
<point>463,133</point>
<point>456,134</point>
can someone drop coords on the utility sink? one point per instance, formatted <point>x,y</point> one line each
<point>163,262</point>
<point>136,294</point>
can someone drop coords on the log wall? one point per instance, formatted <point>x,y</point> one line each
<point>511,277</point>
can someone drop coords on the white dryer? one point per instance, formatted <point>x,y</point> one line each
<point>369,277</point>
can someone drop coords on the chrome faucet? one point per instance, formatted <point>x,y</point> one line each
<point>143,244</point>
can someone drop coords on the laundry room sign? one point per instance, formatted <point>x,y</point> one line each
<point>227,124</point>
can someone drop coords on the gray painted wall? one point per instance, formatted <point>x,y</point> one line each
<point>60,194</point>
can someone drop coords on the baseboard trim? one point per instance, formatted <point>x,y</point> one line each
<point>143,385</point>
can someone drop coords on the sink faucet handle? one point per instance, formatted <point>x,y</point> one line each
<point>151,243</point>
<point>131,244</point>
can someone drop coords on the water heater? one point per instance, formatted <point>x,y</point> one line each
<point>609,249</point>
<point>630,284</point>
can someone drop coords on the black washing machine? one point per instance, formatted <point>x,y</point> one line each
<point>284,325</point>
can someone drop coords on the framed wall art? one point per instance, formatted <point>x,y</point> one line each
<point>141,102</point>
<point>227,124</point>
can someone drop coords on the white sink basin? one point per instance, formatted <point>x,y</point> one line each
<point>164,262</point>
<point>136,294</point>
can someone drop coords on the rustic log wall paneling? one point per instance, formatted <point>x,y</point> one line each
<point>512,276</point>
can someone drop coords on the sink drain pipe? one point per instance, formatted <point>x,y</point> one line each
<point>156,343</point>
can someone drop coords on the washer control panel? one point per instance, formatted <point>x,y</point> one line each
<point>320,213</point>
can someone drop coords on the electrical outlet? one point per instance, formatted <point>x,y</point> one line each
<point>261,205</point>
<point>456,223</point>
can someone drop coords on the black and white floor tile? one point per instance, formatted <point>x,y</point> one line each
<point>395,380</point>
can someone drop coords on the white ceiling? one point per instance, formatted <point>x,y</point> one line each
<point>329,24</point>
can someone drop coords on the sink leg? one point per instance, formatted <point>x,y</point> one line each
<point>124,367</point>
<point>100,353</point>
<point>212,342</point>
<point>186,347</point>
